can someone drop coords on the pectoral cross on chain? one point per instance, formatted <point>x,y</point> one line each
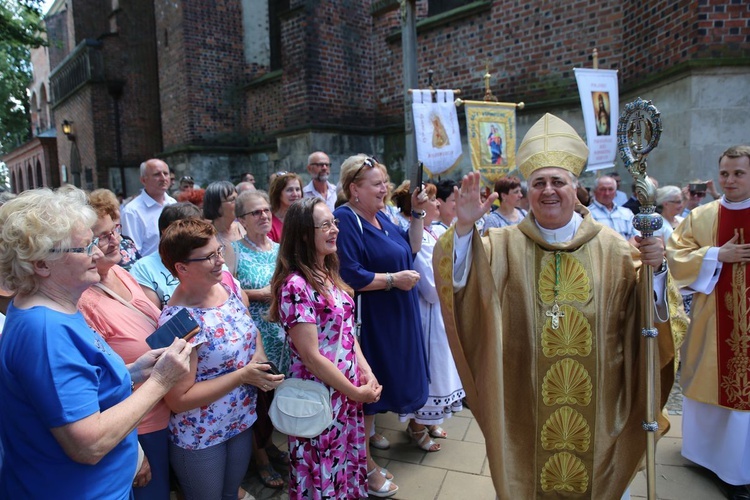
<point>555,314</point>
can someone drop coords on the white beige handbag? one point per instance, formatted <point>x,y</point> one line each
<point>303,407</point>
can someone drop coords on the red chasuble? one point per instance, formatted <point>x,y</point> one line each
<point>733,315</point>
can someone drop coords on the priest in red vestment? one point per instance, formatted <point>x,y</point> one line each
<point>708,254</point>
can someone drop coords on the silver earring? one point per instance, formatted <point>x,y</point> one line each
<point>356,199</point>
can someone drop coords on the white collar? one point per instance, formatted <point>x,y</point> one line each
<point>562,234</point>
<point>735,205</point>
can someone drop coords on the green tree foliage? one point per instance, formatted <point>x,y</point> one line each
<point>21,29</point>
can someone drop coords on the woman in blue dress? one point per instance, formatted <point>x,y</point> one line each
<point>377,262</point>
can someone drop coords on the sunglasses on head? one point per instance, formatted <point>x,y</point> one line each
<point>369,161</point>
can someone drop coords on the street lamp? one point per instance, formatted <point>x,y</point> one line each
<point>67,128</point>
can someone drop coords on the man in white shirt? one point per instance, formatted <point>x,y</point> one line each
<point>604,209</point>
<point>620,196</point>
<point>140,217</point>
<point>319,166</point>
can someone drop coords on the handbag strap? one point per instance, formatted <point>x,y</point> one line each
<point>124,302</point>
<point>358,324</point>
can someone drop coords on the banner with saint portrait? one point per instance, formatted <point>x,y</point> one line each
<point>600,104</point>
<point>491,131</point>
<point>436,130</point>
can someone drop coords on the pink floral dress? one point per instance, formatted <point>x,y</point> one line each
<point>334,464</point>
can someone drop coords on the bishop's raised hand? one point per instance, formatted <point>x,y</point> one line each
<point>469,206</point>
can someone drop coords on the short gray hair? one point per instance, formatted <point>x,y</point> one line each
<point>666,192</point>
<point>33,224</point>
<point>245,196</point>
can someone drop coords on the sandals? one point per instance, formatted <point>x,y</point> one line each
<point>385,490</point>
<point>277,456</point>
<point>423,439</point>
<point>437,432</point>
<point>379,441</point>
<point>269,477</point>
<point>384,472</point>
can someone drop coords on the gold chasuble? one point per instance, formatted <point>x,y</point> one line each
<point>547,340</point>
<point>715,368</point>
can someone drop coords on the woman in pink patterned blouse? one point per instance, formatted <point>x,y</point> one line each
<point>313,304</point>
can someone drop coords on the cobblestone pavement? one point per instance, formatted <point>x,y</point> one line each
<point>253,485</point>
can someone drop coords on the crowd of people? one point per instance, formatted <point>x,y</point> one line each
<point>413,300</point>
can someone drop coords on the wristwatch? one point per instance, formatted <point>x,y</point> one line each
<point>662,267</point>
<point>418,215</point>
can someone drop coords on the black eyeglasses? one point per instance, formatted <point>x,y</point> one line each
<point>698,194</point>
<point>106,238</point>
<point>370,161</point>
<point>187,178</point>
<point>213,257</point>
<point>257,213</point>
<point>328,225</point>
<point>88,249</point>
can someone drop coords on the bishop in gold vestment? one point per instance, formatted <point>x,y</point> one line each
<point>545,330</point>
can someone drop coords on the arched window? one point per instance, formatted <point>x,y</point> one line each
<point>44,117</point>
<point>29,178</point>
<point>39,176</point>
<point>35,126</point>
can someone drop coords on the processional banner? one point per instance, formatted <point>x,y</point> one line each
<point>491,130</point>
<point>600,104</point>
<point>436,130</point>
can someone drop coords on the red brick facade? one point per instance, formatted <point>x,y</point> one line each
<point>177,71</point>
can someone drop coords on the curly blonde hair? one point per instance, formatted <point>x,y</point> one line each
<point>33,224</point>
<point>104,202</point>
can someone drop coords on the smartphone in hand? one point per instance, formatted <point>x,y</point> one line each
<point>273,370</point>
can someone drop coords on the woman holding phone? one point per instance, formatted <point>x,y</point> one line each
<point>214,405</point>
<point>314,305</point>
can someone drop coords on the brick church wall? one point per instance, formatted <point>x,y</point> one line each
<point>201,68</point>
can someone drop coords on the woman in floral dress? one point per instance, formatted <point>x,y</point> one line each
<point>315,308</point>
<point>255,256</point>
<point>213,407</point>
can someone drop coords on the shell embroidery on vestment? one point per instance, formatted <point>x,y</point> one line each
<point>574,282</point>
<point>564,472</point>
<point>566,429</point>
<point>573,337</point>
<point>567,382</point>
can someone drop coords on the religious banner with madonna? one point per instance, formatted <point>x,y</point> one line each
<point>600,104</point>
<point>436,130</point>
<point>491,131</point>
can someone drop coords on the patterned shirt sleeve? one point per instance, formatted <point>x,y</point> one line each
<point>297,302</point>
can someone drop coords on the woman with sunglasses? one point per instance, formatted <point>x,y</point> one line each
<point>286,188</point>
<point>313,303</point>
<point>256,262</point>
<point>377,262</point>
<point>70,413</point>
<point>213,407</point>
<point>118,309</point>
